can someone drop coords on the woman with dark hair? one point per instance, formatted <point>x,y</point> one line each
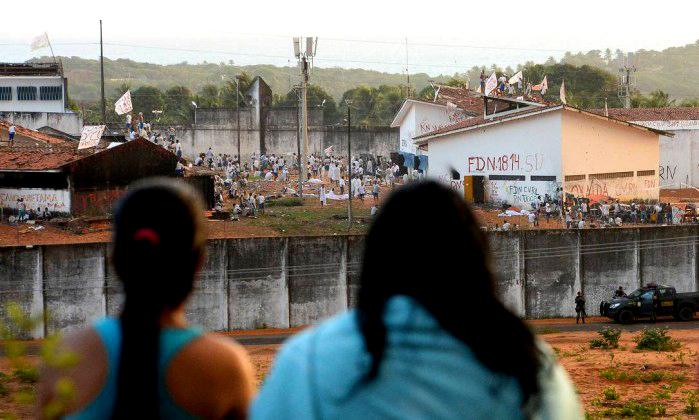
<point>429,337</point>
<point>148,363</point>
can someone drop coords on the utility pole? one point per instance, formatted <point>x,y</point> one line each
<point>237,111</point>
<point>298,141</point>
<point>104,106</point>
<point>407,66</point>
<point>627,66</point>
<point>349,162</point>
<point>305,59</point>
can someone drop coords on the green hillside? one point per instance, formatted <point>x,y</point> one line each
<point>83,77</point>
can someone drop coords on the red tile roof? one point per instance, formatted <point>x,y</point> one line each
<point>25,136</point>
<point>35,158</point>
<point>651,114</point>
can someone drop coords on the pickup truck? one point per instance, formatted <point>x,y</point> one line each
<point>639,304</point>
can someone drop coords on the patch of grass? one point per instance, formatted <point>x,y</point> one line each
<point>610,394</point>
<point>656,339</point>
<point>644,377</point>
<point>4,392</point>
<point>544,331</point>
<point>609,339</point>
<point>285,202</point>
<point>640,411</point>
<point>27,374</point>
<point>663,394</point>
<point>568,354</point>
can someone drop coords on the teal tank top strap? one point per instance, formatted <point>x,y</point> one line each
<point>172,340</point>
<point>109,331</point>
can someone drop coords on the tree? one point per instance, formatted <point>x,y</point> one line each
<point>656,99</point>
<point>586,86</point>
<point>147,99</point>
<point>374,106</point>
<point>178,106</point>
<point>228,91</point>
<point>208,96</point>
<point>316,96</point>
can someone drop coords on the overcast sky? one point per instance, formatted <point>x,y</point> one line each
<point>259,31</point>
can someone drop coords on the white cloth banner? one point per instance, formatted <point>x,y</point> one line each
<point>491,84</point>
<point>90,136</point>
<point>563,93</point>
<point>39,42</point>
<point>124,105</point>
<point>332,196</point>
<point>516,78</point>
<point>328,151</point>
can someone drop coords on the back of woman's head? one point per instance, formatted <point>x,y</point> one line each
<point>426,243</point>
<point>159,240</point>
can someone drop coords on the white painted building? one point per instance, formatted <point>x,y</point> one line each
<point>679,155</point>
<point>519,156</point>
<point>32,87</point>
<point>417,117</point>
<point>34,95</point>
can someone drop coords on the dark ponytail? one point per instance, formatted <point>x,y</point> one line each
<point>158,245</point>
<point>448,272</point>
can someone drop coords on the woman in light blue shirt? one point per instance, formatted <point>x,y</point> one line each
<point>428,340</point>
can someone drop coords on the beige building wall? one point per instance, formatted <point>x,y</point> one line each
<point>624,159</point>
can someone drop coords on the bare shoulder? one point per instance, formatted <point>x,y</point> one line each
<point>79,357</point>
<point>212,377</point>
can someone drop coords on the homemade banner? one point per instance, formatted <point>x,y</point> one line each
<point>563,92</point>
<point>124,105</point>
<point>90,136</point>
<point>328,151</point>
<point>491,84</point>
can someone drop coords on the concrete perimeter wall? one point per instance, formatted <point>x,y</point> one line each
<point>295,281</point>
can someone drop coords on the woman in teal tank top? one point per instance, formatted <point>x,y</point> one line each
<point>148,363</point>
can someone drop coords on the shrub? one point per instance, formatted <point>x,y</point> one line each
<point>609,339</point>
<point>610,394</point>
<point>691,407</point>
<point>638,410</point>
<point>656,339</point>
<point>27,374</point>
<point>285,202</point>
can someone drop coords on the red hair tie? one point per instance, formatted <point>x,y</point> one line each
<point>148,235</point>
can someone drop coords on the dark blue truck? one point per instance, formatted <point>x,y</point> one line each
<point>639,304</point>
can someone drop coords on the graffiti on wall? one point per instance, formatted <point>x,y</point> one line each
<point>620,188</point>
<point>520,193</point>
<point>55,200</point>
<point>506,163</point>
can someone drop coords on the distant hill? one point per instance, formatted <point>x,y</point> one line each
<point>673,70</point>
<point>84,77</point>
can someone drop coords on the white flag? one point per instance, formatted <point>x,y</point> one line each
<point>90,136</point>
<point>563,92</point>
<point>328,151</point>
<point>124,105</point>
<point>491,84</point>
<point>516,78</point>
<point>39,42</point>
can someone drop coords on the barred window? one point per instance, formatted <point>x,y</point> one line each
<point>5,93</point>
<point>506,177</point>
<point>26,93</point>
<point>50,93</point>
<point>645,173</point>
<point>611,175</point>
<point>574,178</point>
<point>543,177</point>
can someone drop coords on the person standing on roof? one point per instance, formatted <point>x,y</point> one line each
<point>128,122</point>
<point>483,78</point>
<point>11,132</point>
